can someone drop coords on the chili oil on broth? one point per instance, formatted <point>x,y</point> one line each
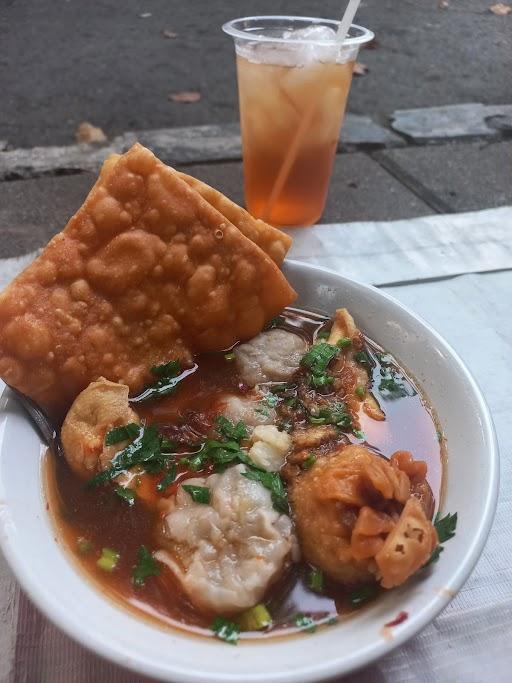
<point>107,521</point>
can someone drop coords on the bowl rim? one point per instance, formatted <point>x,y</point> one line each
<point>320,671</point>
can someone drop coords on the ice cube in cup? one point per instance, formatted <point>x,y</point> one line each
<point>293,82</point>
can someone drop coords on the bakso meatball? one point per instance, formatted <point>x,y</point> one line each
<point>272,356</point>
<point>356,520</point>
<point>225,552</point>
<point>96,410</point>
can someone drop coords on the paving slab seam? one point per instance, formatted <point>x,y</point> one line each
<point>412,184</point>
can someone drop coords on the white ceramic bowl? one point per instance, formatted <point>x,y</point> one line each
<point>56,587</point>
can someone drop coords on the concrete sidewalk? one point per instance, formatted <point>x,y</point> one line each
<point>379,174</point>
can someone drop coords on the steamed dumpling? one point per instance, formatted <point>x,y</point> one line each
<point>248,409</point>
<point>272,356</point>
<point>226,554</point>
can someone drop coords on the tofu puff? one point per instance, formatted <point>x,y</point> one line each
<point>357,519</point>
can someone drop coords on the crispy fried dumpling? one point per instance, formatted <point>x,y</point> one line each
<point>272,356</point>
<point>356,519</point>
<point>225,554</point>
<point>99,408</point>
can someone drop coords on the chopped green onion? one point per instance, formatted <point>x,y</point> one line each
<point>291,402</point>
<point>108,559</point>
<point>229,356</point>
<point>167,480</point>
<point>363,594</point>
<point>125,494</point>
<point>308,462</point>
<point>199,494</point>
<point>84,545</point>
<point>271,400</point>
<point>316,580</point>
<point>359,434</point>
<point>317,420</point>
<point>304,623</point>
<point>360,391</point>
<point>361,357</point>
<point>226,630</point>
<point>129,431</point>
<point>256,618</point>
<point>146,567</point>
<point>323,335</point>
<point>344,342</point>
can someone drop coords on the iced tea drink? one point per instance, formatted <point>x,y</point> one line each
<point>293,82</point>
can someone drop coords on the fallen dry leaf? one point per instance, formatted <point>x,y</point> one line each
<point>185,97</point>
<point>360,69</point>
<point>169,34</point>
<point>86,132</point>
<point>501,9</point>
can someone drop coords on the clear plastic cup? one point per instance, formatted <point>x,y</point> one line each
<point>293,90</point>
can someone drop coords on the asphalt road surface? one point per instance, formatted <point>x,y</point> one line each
<point>67,61</point>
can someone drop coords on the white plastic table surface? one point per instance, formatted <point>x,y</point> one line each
<point>455,271</point>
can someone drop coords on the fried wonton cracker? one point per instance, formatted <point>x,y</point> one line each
<point>146,271</point>
<point>274,242</point>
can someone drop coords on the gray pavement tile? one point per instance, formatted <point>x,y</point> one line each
<point>32,211</point>
<point>453,121</point>
<point>360,190</point>
<point>464,176</point>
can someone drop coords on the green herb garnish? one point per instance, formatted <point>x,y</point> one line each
<point>363,594</point>
<point>256,618</point>
<point>169,376</point>
<point>125,494</point>
<point>271,400</point>
<point>361,357</point>
<point>323,335</point>
<point>167,479</point>
<point>199,494</point>
<point>308,462</point>
<point>273,482</point>
<point>316,580</point>
<point>229,356</point>
<point>344,342</point>
<point>108,559</point>
<point>145,567</point>
<point>359,434</point>
<point>144,449</point>
<point>304,623</point>
<point>84,545</point>
<point>226,630</point>
<point>129,431</point>
<point>231,431</point>
<point>274,322</point>
<point>445,527</point>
